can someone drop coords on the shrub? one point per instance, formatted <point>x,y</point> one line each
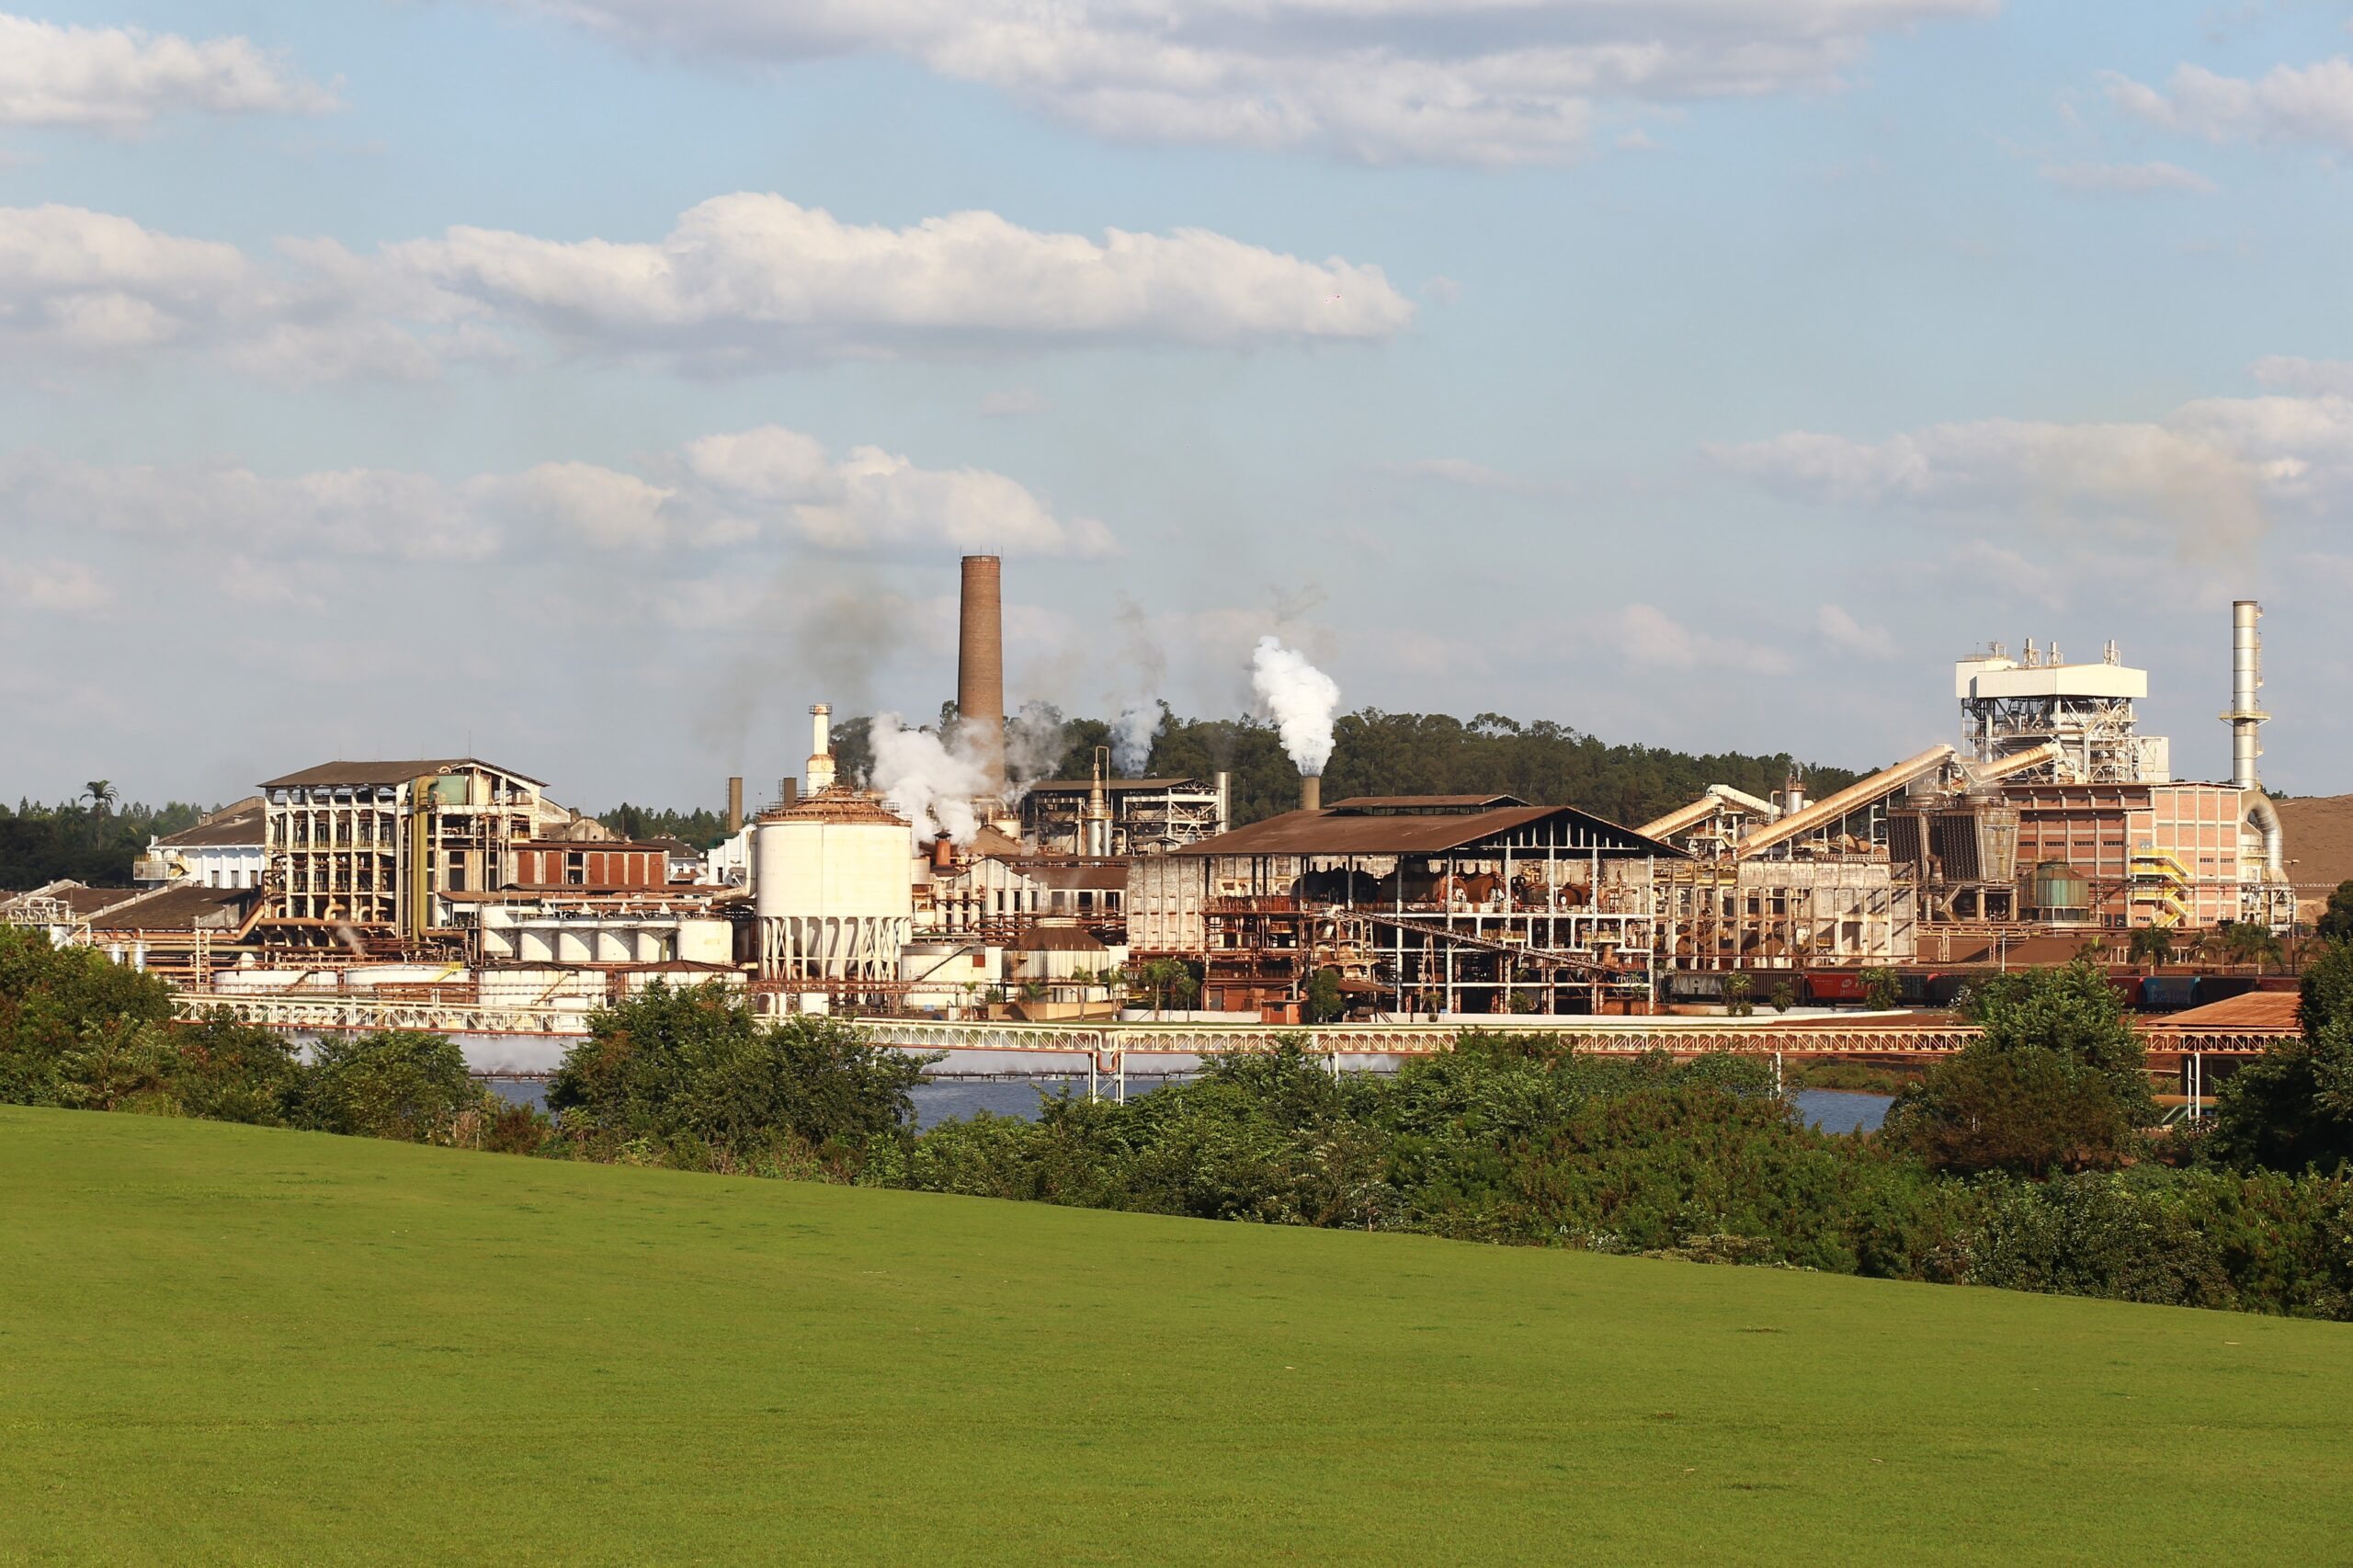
<point>75,1029</point>
<point>400,1084</point>
<point>2292,1107</point>
<point>691,1073</point>
<point>2054,1082</point>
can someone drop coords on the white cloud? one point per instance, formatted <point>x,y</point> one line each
<point>59,586</point>
<point>743,282</point>
<point>2005,573</point>
<point>1847,635</point>
<point>1013,402</point>
<point>1471,475</point>
<point>2128,179</point>
<point>2206,476</point>
<point>119,79</point>
<point>1643,636</point>
<point>720,491</point>
<point>1379,81</point>
<point>2308,103</point>
<point>747,278</point>
<point>81,287</point>
<point>2286,372</point>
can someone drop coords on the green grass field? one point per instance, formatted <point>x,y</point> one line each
<point>220,1344</point>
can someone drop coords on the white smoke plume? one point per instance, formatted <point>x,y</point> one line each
<point>1132,734</point>
<point>1034,744</point>
<point>1300,698</point>
<point>1144,668</point>
<point>930,784</point>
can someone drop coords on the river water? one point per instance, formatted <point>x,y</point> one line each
<point>1831,1110</point>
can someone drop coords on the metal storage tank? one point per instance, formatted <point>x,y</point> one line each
<point>2056,891</point>
<point>831,888</point>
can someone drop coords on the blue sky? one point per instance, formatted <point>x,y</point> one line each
<point>592,385</point>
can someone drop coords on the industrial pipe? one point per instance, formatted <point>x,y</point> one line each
<point>2265,818</point>
<point>2246,680</point>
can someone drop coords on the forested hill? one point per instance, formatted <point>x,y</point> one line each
<point>1424,754</point>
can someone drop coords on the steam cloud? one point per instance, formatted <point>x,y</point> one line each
<point>1300,698</point>
<point>1132,734</point>
<point>1142,657</point>
<point>1033,748</point>
<point>930,784</point>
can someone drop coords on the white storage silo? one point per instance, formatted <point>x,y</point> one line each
<point>831,888</point>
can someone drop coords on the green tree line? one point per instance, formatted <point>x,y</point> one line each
<point>93,839</point>
<point>1411,754</point>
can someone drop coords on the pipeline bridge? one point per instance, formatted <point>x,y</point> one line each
<point>1889,1036</point>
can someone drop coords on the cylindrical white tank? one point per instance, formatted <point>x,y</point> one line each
<point>832,888</point>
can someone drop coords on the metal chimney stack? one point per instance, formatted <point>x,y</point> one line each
<point>1096,840</point>
<point>1310,792</point>
<point>734,807</point>
<point>2246,684</point>
<point>821,756</point>
<point>980,667</point>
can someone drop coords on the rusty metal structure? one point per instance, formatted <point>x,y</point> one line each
<point>1143,816</point>
<point>361,854</point>
<point>1422,904</point>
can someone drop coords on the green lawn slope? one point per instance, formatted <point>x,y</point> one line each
<point>220,1344</point>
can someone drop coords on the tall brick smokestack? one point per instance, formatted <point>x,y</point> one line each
<point>980,665</point>
<point>735,806</point>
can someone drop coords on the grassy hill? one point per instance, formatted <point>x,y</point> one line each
<point>219,1344</point>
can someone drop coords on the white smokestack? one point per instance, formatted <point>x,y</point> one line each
<point>1300,698</point>
<point>821,747</point>
<point>2247,683</point>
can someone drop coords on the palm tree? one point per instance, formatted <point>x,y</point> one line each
<point>102,794</point>
<point>2150,945</point>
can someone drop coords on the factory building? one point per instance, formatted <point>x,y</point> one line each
<point>1140,816</point>
<point>224,850</point>
<point>1446,904</point>
<point>373,848</point>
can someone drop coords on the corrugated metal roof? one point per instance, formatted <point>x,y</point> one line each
<point>1056,939</point>
<point>1425,805</point>
<point>1333,832</point>
<point>177,908</point>
<point>237,824</point>
<point>1101,876</point>
<point>1114,785</point>
<point>329,775</point>
<point>836,803</point>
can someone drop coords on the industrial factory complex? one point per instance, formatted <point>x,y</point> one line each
<point>2051,816</point>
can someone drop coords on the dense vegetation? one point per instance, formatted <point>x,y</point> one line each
<point>701,827</point>
<point>2022,1161</point>
<point>91,840</point>
<point>1411,754</point>
<point>78,1031</point>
